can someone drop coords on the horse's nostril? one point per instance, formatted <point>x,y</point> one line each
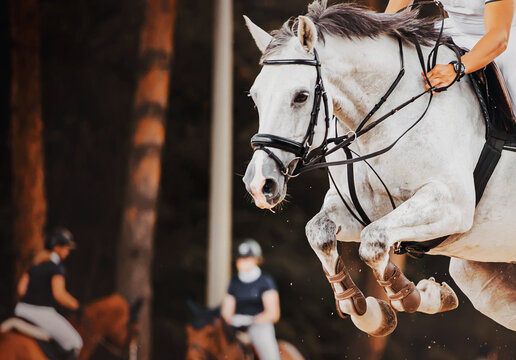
<point>270,187</point>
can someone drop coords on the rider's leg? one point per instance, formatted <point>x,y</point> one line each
<point>264,341</point>
<point>490,287</point>
<point>370,315</point>
<point>434,211</point>
<point>54,323</point>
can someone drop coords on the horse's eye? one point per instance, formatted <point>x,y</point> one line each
<point>301,97</point>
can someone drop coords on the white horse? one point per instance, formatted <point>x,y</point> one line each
<point>429,172</point>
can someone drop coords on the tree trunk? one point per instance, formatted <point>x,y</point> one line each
<point>134,257</point>
<point>29,200</point>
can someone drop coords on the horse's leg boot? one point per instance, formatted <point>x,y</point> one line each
<point>351,291</point>
<point>404,290</point>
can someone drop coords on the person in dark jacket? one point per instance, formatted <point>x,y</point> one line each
<point>252,301</point>
<point>42,288</point>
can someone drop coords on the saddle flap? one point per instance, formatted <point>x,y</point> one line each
<point>25,328</point>
<point>497,99</point>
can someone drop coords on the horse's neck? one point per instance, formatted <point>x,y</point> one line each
<point>98,321</point>
<point>359,72</point>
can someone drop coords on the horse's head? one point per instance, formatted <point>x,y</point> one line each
<point>111,322</point>
<point>202,333</point>
<point>208,336</point>
<point>286,95</point>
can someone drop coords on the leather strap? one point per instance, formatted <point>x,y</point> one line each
<point>405,290</point>
<point>403,293</point>
<point>351,291</point>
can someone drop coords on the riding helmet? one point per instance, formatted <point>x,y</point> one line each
<point>60,237</point>
<point>248,248</point>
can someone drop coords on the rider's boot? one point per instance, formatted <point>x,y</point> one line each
<point>404,290</point>
<point>351,291</point>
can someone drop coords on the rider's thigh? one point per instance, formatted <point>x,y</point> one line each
<point>263,337</point>
<point>54,323</point>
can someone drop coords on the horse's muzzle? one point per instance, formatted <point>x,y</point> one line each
<point>264,181</point>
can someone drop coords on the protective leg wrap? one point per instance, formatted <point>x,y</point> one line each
<point>351,291</point>
<point>404,290</point>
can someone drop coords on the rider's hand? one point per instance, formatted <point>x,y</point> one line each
<point>440,76</point>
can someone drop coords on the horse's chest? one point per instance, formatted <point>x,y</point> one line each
<point>374,195</point>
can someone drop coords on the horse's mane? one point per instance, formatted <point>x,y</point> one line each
<point>354,21</point>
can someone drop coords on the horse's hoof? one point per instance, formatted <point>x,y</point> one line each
<point>449,300</point>
<point>436,297</point>
<point>390,320</point>
<point>379,320</point>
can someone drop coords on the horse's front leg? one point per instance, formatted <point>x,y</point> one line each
<point>373,316</point>
<point>435,210</point>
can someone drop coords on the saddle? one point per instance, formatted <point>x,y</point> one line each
<point>492,90</point>
<point>495,102</point>
<point>51,349</point>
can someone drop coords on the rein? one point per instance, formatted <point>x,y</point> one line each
<point>307,159</point>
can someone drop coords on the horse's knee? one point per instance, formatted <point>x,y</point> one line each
<point>373,244</point>
<point>320,232</point>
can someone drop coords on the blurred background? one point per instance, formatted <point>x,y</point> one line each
<point>77,89</point>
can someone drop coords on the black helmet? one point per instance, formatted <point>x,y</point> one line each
<point>249,247</point>
<point>60,237</point>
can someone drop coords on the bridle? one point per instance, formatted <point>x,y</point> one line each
<point>301,150</point>
<point>308,158</point>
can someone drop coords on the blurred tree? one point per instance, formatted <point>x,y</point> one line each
<point>29,202</point>
<point>134,257</point>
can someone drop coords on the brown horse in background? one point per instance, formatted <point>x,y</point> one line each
<point>210,337</point>
<point>108,322</point>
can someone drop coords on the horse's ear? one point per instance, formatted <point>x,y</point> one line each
<point>306,32</point>
<point>134,310</point>
<point>260,36</point>
<point>193,307</point>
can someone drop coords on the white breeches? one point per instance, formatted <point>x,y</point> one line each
<point>52,322</point>
<point>263,337</point>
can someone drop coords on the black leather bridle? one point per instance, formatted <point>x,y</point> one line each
<point>308,159</point>
<point>301,150</point>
